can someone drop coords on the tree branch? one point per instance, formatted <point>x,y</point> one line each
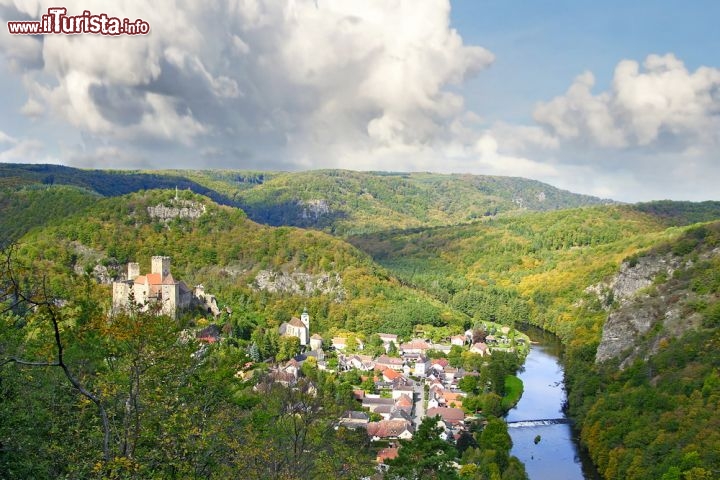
<point>47,304</point>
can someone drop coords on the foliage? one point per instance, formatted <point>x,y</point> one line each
<point>426,455</point>
<point>35,205</point>
<point>338,201</point>
<point>490,458</point>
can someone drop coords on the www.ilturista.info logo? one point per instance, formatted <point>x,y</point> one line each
<point>58,22</point>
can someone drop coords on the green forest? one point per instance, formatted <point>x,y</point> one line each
<point>85,397</point>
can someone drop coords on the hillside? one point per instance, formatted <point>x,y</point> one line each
<point>649,402</point>
<point>24,208</point>
<point>337,201</point>
<point>267,274</point>
<point>346,202</point>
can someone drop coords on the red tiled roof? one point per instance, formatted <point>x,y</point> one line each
<point>387,454</point>
<point>391,374</point>
<point>448,414</point>
<point>388,428</point>
<point>155,279</point>
<point>404,401</point>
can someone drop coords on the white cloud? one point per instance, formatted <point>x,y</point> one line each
<point>662,105</point>
<point>297,75</point>
<point>22,151</point>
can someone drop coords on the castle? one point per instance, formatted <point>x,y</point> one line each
<point>297,327</point>
<point>160,288</point>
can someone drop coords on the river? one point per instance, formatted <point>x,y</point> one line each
<point>557,455</point>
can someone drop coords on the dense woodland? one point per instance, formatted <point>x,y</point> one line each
<point>654,417</point>
<point>336,201</point>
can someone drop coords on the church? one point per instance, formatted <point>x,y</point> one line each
<point>297,327</point>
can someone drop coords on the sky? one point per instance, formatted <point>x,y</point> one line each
<point>615,99</point>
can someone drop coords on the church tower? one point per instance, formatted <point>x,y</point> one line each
<point>305,319</point>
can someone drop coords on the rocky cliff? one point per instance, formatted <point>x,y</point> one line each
<point>300,283</point>
<point>177,209</point>
<point>650,301</point>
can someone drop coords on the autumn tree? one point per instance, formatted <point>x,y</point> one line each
<point>426,455</point>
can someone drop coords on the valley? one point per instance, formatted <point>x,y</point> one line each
<point>425,272</point>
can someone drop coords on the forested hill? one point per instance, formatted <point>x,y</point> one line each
<point>337,201</point>
<point>262,273</point>
<point>346,202</point>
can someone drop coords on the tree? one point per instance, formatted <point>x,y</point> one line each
<point>13,297</point>
<point>425,456</point>
<point>288,348</point>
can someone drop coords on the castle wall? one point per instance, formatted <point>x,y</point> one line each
<point>121,293</point>
<point>170,299</point>
<point>133,270</point>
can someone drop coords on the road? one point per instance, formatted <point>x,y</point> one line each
<point>419,403</point>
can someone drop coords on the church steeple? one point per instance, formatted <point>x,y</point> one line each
<point>305,319</point>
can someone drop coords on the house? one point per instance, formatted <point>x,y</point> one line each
<point>159,289</point>
<point>390,429</point>
<point>316,342</point>
<point>360,362</point>
<point>292,367</point>
<point>449,374</point>
<point>340,343</point>
<point>383,361</point>
<point>385,454</point>
<point>399,390</point>
<point>400,414</point>
<point>434,399</point>
<point>209,334</point>
<point>404,402</point>
<point>442,347</point>
<point>415,346</point>
<point>453,399</point>
<point>439,363</point>
<point>452,417</point>
<point>373,402</point>
<point>480,348</point>
<point>422,366</point>
<point>388,337</point>
<point>354,419</point>
<point>389,374</point>
<point>458,340</point>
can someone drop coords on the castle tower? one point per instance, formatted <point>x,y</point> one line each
<point>133,270</point>
<point>305,319</point>
<point>160,265</point>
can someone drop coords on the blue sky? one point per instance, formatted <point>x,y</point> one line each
<point>542,46</point>
<point>615,99</point>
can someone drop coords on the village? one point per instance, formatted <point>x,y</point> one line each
<point>394,390</point>
<point>411,380</point>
